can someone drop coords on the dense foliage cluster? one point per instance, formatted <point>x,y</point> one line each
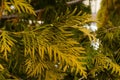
<point>109,34</point>
<point>48,40</point>
<point>39,43</point>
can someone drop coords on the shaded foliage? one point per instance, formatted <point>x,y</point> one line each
<point>109,35</point>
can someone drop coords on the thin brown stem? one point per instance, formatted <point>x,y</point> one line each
<point>37,11</point>
<point>74,2</point>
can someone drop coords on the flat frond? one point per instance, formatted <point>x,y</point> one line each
<point>102,62</point>
<point>23,6</point>
<point>6,43</point>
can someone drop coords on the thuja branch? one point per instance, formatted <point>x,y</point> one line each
<point>40,10</point>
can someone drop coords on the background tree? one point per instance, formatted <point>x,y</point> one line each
<point>109,35</point>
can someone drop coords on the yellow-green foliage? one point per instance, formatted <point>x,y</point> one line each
<point>109,11</point>
<point>6,43</point>
<point>102,62</point>
<point>20,6</point>
<point>109,35</point>
<point>43,52</point>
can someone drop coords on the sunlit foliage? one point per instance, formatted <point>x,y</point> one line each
<point>47,51</point>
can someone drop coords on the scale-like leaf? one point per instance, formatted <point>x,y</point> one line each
<point>23,6</point>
